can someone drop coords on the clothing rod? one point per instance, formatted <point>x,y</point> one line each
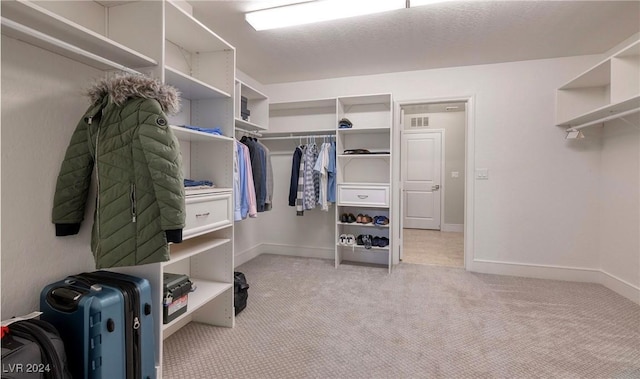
<point>252,132</point>
<point>605,119</point>
<point>299,137</point>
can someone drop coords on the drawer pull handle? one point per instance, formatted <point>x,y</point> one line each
<point>203,214</point>
<point>362,196</point>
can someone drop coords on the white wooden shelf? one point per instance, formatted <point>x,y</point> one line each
<point>609,88</point>
<point>369,156</point>
<point>57,28</point>
<point>362,247</point>
<point>299,133</point>
<point>603,112</point>
<point>192,88</point>
<point>246,125</point>
<point>204,293</point>
<point>360,130</point>
<point>189,33</point>
<point>365,225</point>
<point>303,104</point>
<point>191,135</point>
<point>191,247</point>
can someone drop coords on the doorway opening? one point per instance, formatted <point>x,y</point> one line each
<point>433,181</point>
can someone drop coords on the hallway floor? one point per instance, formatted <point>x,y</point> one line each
<point>433,247</point>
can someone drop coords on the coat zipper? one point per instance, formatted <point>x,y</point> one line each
<point>89,121</point>
<point>133,203</point>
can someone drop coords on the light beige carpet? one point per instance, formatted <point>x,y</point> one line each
<point>306,319</point>
<point>433,247</point>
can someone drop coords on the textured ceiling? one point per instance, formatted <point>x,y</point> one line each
<point>440,35</point>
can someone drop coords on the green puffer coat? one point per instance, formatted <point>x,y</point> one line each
<point>140,189</point>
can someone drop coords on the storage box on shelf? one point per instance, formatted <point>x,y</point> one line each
<point>258,105</point>
<point>608,89</point>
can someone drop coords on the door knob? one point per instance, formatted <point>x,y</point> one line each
<point>436,187</point>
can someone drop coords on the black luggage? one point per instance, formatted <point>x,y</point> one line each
<point>240,291</point>
<point>33,349</point>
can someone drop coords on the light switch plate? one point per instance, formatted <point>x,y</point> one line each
<point>482,173</point>
<point>455,174</point>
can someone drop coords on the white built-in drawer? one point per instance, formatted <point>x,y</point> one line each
<point>206,213</point>
<point>363,195</point>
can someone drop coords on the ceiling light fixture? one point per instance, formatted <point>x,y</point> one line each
<point>324,10</point>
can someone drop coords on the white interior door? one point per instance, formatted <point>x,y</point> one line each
<point>422,167</point>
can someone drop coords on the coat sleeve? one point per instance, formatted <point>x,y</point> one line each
<point>162,153</point>
<point>72,186</point>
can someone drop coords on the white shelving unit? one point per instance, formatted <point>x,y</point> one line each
<point>608,90</point>
<point>364,180</point>
<point>55,29</point>
<point>258,105</point>
<point>170,45</point>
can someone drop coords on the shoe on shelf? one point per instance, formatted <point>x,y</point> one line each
<point>383,242</point>
<point>366,219</point>
<point>344,217</point>
<point>359,218</point>
<point>367,240</point>
<point>351,218</point>
<point>350,240</point>
<point>381,220</point>
<point>359,241</point>
<point>343,239</point>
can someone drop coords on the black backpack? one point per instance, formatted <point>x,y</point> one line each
<point>240,291</point>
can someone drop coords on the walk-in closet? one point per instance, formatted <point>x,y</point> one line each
<point>398,190</point>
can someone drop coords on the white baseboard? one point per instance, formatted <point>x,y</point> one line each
<point>620,286</point>
<point>298,251</point>
<point>247,255</point>
<point>458,228</point>
<point>574,274</point>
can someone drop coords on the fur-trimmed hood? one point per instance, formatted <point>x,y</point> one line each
<point>122,87</point>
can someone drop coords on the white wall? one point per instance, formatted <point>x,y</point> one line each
<point>42,102</point>
<point>620,203</point>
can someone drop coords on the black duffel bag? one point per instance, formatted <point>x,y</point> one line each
<point>33,349</point>
<point>240,291</point>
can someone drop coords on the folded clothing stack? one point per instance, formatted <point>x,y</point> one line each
<point>344,124</point>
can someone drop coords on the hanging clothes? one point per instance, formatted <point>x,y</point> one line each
<point>257,168</point>
<point>244,190</point>
<point>321,167</point>
<point>311,178</point>
<point>295,171</point>
<point>331,173</point>
<point>300,187</point>
<point>268,177</point>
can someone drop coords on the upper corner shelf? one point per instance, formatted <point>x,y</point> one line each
<point>32,23</point>
<point>304,104</point>
<point>191,34</point>
<point>366,99</point>
<point>599,94</point>
<point>190,87</point>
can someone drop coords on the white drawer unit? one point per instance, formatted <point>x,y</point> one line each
<point>206,213</point>
<point>363,195</point>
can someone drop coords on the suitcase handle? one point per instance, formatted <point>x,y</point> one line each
<point>79,281</point>
<point>64,299</point>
